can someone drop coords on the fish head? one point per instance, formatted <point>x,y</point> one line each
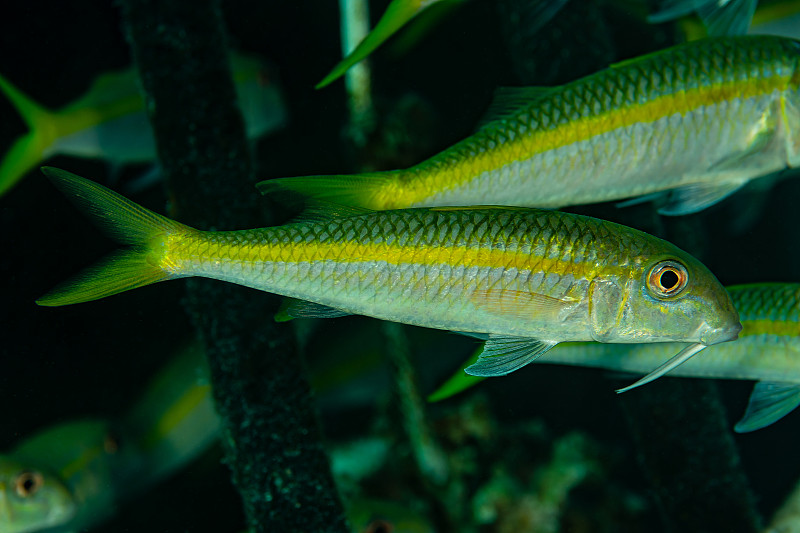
<point>668,297</point>
<point>32,499</point>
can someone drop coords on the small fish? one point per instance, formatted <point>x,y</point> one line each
<point>767,351</point>
<point>109,121</point>
<point>71,476</point>
<point>48,478</point>
<point>523,279</point>
<point>31,499</point>
<point>692,123</point>
<point>720,17</point>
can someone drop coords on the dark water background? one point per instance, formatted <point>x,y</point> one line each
<point>92,359</point>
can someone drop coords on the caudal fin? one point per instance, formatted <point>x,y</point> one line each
<point>29,149</point>
<point>126,222</point>
<point>359,190</point>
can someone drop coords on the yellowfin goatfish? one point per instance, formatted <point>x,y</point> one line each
<point>767,351</point>
<point>45,481</point>
<point>72,476</point>
<point>524,279</point>
<point>109,121</point>
<point>698,121</point>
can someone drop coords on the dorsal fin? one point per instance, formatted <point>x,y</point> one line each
<point>322,211</point>
<point>507,101</point>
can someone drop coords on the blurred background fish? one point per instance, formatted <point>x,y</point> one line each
<point>109,122</point>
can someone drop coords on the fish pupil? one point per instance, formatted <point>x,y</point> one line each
<point>669,280</point>
<point>28,483</point>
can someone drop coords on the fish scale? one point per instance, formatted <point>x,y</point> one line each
<point>700,119</point>
<point>517,244</point>
<point>523,279</point>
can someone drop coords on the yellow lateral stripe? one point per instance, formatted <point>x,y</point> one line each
<point>583,128</point>
<point>353,252</point>
<point>770,327</point>
<point>73,120</point>
<point>177,413</point>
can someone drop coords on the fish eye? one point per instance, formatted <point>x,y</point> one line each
<point>667,279</point>
<point>28,483</point>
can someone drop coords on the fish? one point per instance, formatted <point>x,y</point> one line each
<point>521,279</point>
<point>767,351</point>
<point>32,499</point>
<point>720,17</point>
<point>690,124</point>
<point>109,121</point>
<point>48,478</point>
<point>69,477</point>
<point>74,475</point>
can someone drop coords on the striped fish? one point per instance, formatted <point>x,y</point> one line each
<point>696,121</point>
<point>43,486</point>
<point>767,351</point>
<point>523,279</point>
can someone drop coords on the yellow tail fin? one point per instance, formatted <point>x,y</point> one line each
<point>29,149</point>
<point>125,222</point>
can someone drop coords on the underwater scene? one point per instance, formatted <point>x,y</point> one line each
<point>443,266</point>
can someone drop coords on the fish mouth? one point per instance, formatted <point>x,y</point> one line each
<point>724,334</point>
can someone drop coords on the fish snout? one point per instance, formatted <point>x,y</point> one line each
<point>726,333</point>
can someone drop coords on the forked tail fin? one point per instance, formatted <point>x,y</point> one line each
<point>29,149</point>
<point>126,222</point>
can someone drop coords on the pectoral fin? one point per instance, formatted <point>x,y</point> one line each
<point>519,304</point>
<point>769,402</point>
<point>502,355</point>
<point>732,18</point>
<point>696,197</point>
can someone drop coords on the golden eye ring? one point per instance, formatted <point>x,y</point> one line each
<point>667,279</point>
<point>28,483</point>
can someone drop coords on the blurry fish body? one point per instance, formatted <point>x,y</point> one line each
<point>780,18</point>
<point>720,17</point>
<point>767,351</point>
<point>523,279</point>
<point>109,121</point>
<point>692,123</point>
<point>64,478</point>
<point>74,475</point>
